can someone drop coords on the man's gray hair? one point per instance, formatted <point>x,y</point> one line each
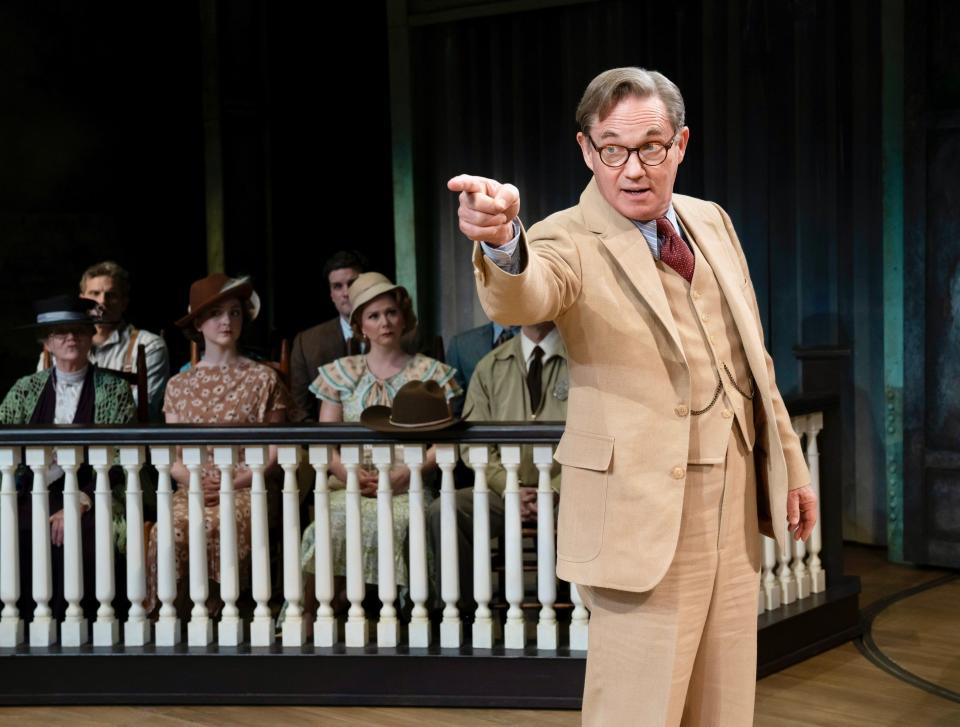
<point>610,87</point>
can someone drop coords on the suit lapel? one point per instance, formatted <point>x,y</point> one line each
<point>629,250</point>
<point>709,237</point>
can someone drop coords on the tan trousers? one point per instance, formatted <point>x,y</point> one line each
<point>685,653</point>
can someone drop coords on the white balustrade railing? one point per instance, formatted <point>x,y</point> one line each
<point>404,616</point>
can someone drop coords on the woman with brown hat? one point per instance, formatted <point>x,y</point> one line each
<point>72,391</point>
<point>381,314</point>
<point>223,388</point>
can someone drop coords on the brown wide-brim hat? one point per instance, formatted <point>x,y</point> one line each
<point>207,292</point>
<point>419,406</point>
<point>368,286</point>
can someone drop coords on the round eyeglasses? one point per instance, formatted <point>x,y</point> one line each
<point>650,154</point>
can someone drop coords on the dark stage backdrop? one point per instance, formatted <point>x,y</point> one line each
<point>783,102</point>
<point>100,158</point>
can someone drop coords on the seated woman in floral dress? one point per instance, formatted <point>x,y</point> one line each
<point>382,314</point>
<point>223,388</point>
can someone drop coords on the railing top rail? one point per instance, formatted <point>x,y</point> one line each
<point>226,434</point>
<point>223,434</point>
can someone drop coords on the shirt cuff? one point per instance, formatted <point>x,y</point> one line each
<point>504,256</point>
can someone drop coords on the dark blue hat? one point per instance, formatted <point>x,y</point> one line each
<point>63,310</point>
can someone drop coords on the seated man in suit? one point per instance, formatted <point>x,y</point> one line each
<point>328,341</point>
<point>524,379</point>
<point>467,348</point>
<point>115,341</point>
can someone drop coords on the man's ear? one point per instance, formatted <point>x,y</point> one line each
<point>585,147</point>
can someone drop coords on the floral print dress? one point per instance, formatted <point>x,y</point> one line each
<point>243,392</point>
<point>349,383</point>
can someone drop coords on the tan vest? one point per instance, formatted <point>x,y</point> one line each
<point>714,355</point>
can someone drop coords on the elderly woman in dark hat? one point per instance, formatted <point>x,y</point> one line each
<point>224,387</point>
<point>73,391</point>
<point>381,315</point>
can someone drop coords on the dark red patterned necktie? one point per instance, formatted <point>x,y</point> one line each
<point>673,250</point>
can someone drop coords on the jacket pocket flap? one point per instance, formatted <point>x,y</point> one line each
<point>585,449</point>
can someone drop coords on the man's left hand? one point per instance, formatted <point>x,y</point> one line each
<point>801,512</point>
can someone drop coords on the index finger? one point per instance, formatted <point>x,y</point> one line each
<point>468,183</point>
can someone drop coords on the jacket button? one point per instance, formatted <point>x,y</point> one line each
<point>696,295</point>
<point>726,413</point>
<point>704,317</point>
<point>677,473</point>
<point>682,410</point>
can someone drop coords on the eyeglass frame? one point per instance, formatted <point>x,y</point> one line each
<point>631,149</point>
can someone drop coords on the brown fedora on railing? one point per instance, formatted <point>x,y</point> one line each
<point>419,406</point>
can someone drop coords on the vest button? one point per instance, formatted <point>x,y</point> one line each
<point>682,410</point>
<point>713,341</point>
<point>704,317</point>
<point>677,473</point>
<point>726,413</point>
<point>696,295</point>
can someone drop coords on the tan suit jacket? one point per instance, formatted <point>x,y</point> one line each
<point>624,451</point>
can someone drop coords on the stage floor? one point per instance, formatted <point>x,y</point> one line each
<point>905,673</point>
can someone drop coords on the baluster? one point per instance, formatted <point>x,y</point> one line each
<point>136,630</point>
<point>514,635</point>
<point>11,625</point>
<point>261,628</point>
<point>199,629</point>
<point>167,628</point>
<point>770,585</point>
<point>818,576</point>
<point>355,631</point>
<point>579,622</point>
<point>106,629</point>
<point>451,628</point>
<point>43,630</point>
<point>760,601</point>
<point>325,627</point>
<point>73,630</point>
<point>388,628</point>
<point>419,629</point>
<point>294,629</point>
<point>788,586</point>
<point>230,628</point>
<point>546,553</point>
<point>799,548</point>
<point>482,590</point>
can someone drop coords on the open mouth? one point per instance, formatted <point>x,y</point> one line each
<point>636,193</point>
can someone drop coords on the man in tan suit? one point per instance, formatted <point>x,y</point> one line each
<point>678,449</point>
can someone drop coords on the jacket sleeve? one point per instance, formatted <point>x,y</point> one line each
<point>477,408</point>
<point>797,473</point>
<point>546,286</point>
<point>300,379</point>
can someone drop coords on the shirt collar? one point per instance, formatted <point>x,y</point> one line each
<point>115,337</point>
<point>346,328</point>
<point>649,230</point>
<point>550,346</point>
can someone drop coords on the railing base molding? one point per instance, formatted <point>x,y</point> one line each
<point>802,629</point>
<point>434,676</point>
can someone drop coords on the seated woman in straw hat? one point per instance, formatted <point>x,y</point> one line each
<point>223,388</point>
<point>381,314</point>
<point>72,391</point>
